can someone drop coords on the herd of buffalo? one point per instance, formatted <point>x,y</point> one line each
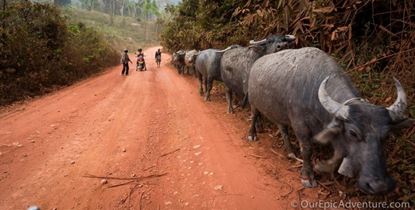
<point>307,90</point>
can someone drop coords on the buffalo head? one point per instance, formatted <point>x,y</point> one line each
<point>356,131</point>
<point>273,43</point>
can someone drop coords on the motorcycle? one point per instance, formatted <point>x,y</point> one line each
<point>140,64</point>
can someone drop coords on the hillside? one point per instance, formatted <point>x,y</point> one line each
<point>41,51</point>
<point>123,32</point>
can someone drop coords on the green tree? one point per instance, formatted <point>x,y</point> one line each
<point>150,10</point>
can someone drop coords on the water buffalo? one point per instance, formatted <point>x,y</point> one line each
<point>307,90</point>
<point>236,64</point>
<point>178,60</point>
<point>189,61</point>
<point>207,67</point>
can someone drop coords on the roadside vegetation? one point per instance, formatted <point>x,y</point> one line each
<point>41,51</point>
<point>373,40</point>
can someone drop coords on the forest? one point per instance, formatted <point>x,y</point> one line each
<point>372,40</point>
<point>140,9</point>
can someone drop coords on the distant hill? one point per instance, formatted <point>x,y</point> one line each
<point>124,32</point>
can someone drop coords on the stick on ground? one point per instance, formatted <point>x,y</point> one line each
<point>125,178</point>
<point>165,154</point>
<point>257,156</point>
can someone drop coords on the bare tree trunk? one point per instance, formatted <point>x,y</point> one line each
<point>4,5</point>
<point>146,26</point>
<point>122,7</point>
<point>157,29</point>
<point>112,7</point>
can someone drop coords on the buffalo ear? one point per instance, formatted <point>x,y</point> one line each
<point>407,123</point>
<point>327,135</point>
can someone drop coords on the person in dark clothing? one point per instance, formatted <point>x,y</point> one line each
<point>124,60</point>
<point>158,57</point>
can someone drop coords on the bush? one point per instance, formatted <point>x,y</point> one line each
<point>40,51</point>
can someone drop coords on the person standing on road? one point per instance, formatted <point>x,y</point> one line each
<point>158,57</point>
<point>124,60</point>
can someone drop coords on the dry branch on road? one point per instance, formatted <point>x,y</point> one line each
<point>171,152</point>
<point>126,178</point>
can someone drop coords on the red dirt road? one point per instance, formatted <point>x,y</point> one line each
<point>148,123</point>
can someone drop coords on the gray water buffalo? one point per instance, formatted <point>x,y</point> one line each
<point>178,60</point>
<point>307,90</point>
<point>236,64</point>
<point>207,67</point>
<point>189,61</point>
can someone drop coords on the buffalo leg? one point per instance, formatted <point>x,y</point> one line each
<point>179,69</point>
<point>229,100</point>
<point>287,144</point>
<point>209,82</point>
<point>193,70</point>
<point>200,77</point>
<point>244,101</point>
<point>259,124</point>
<point>205,86</point>
<point>307,174</point>
<point>252,130</point>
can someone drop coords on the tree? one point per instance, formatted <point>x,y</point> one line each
<point>149,8</point>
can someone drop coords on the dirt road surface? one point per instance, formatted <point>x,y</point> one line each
<point>146,124</point>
